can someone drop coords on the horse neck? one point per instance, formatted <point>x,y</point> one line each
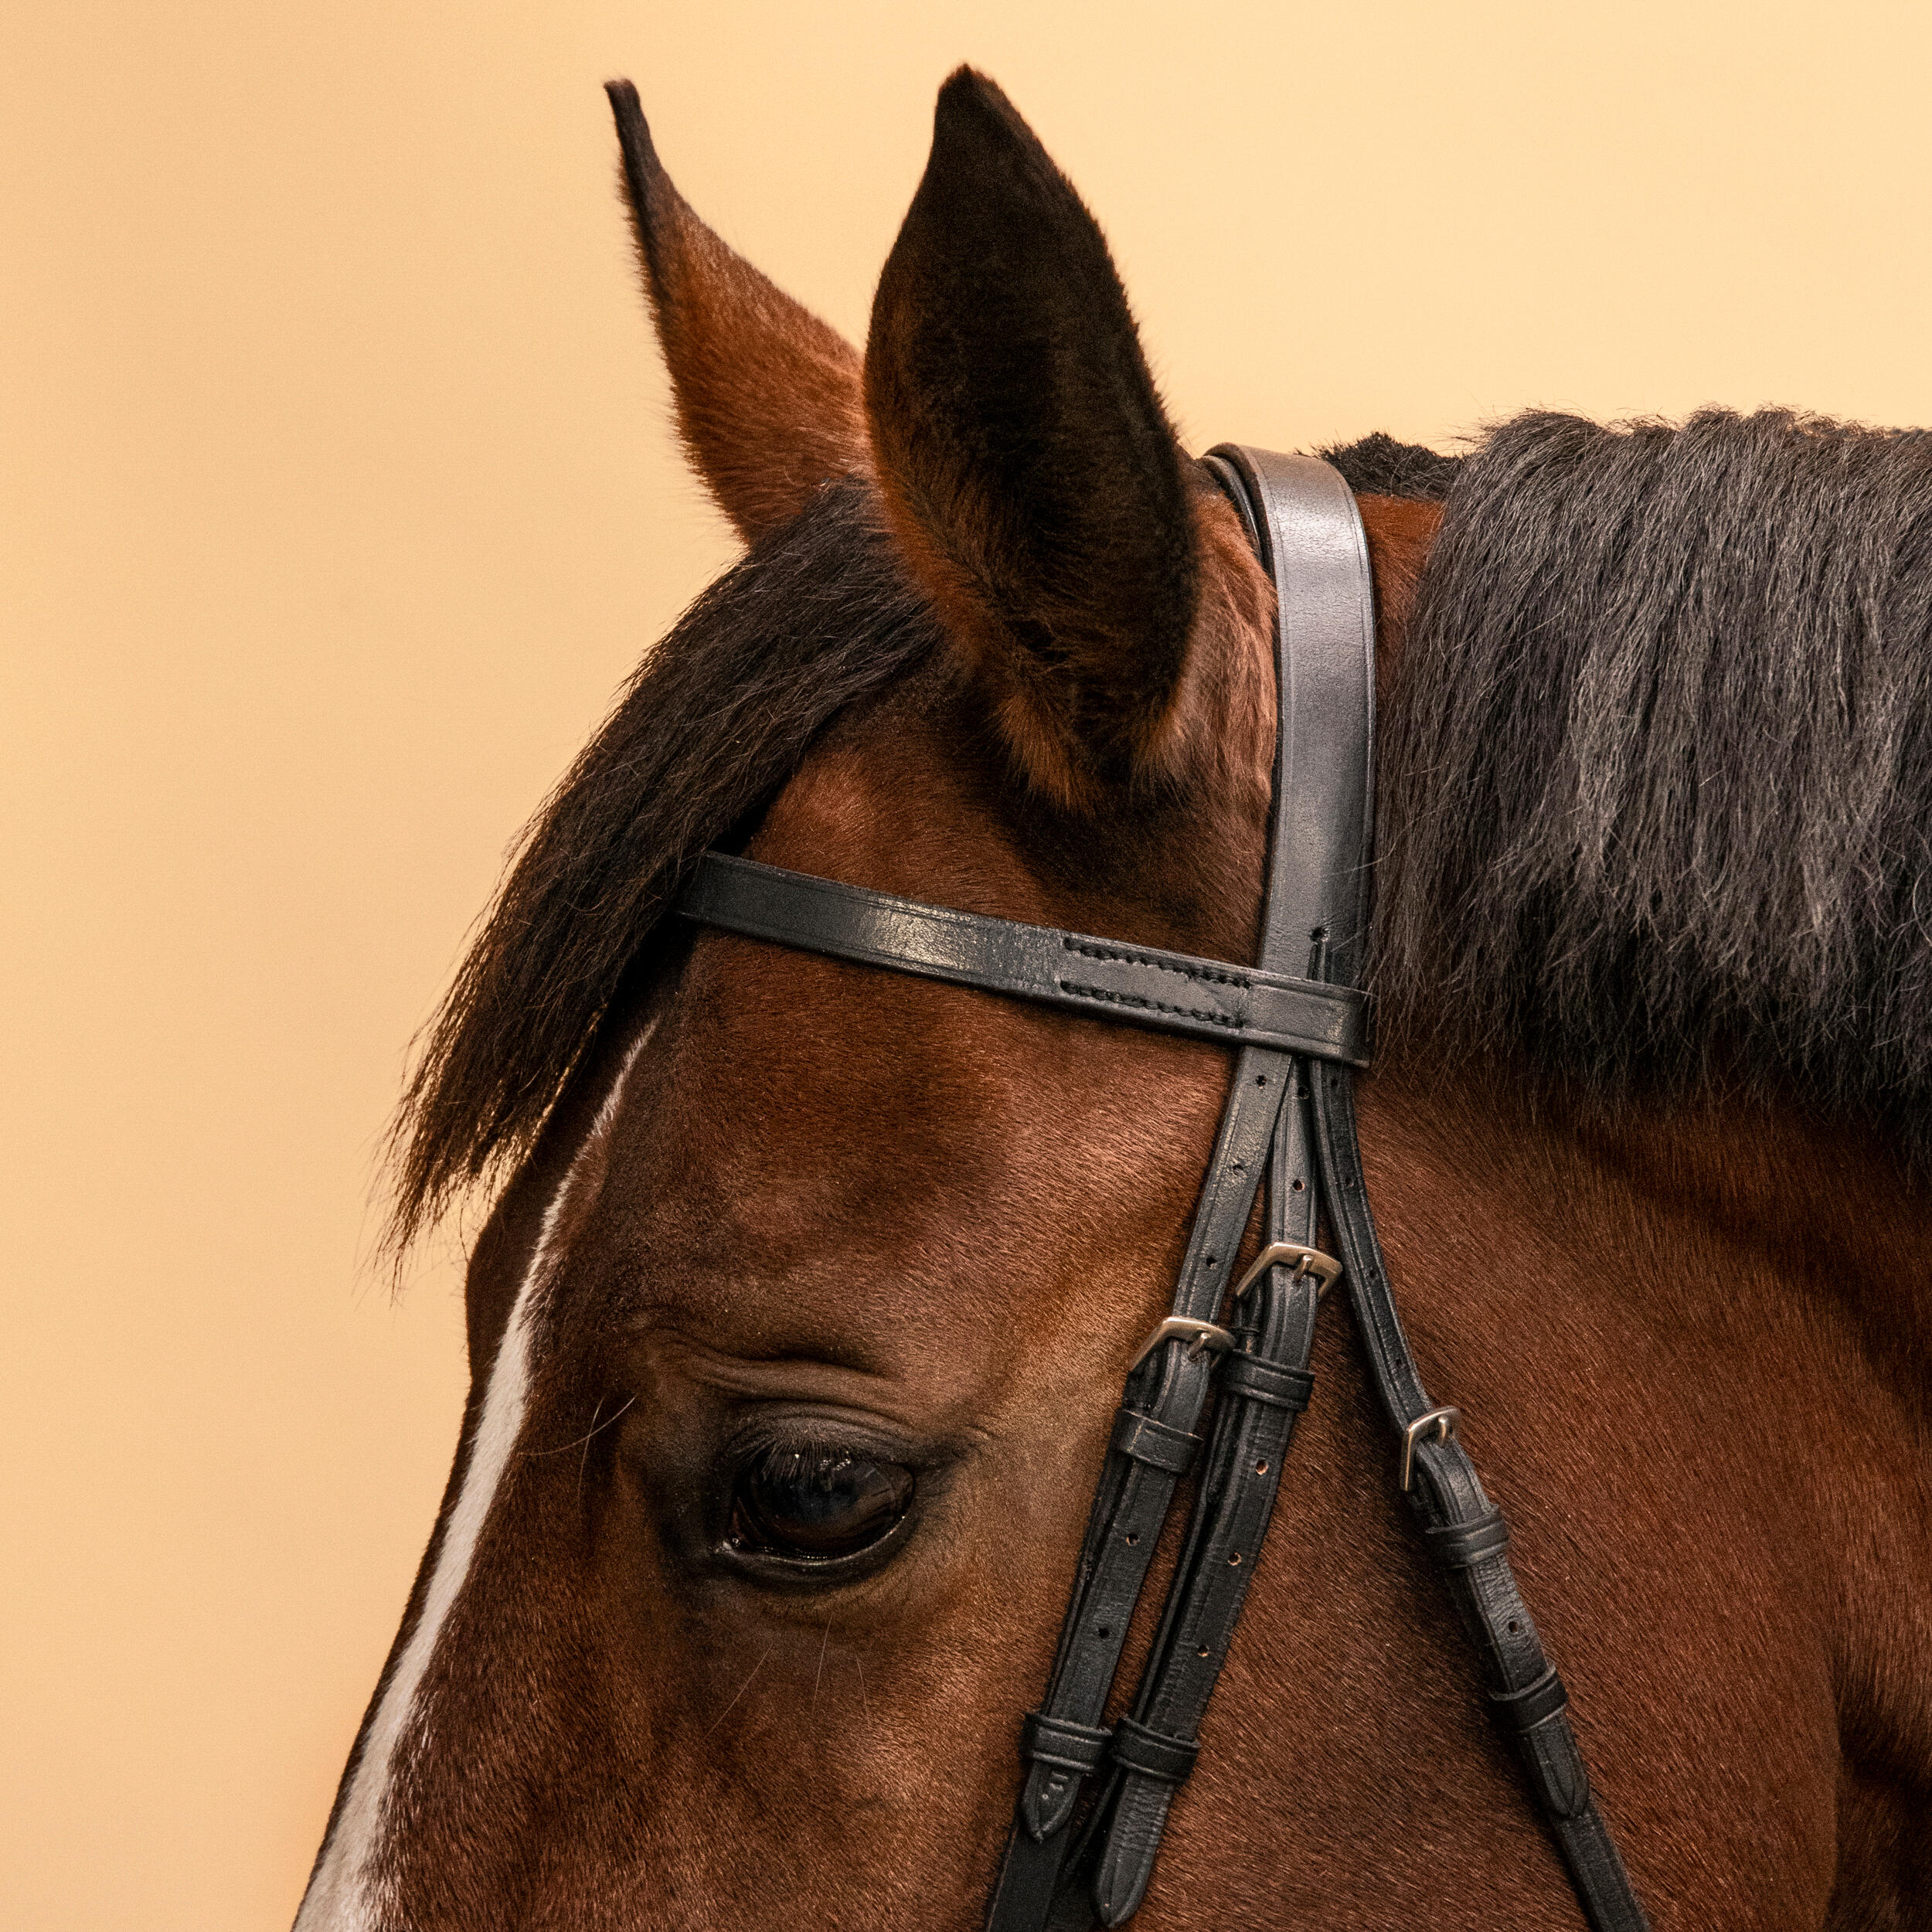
<point>1718,1202</point>
<point>1822,1213</point>
<point>1733,1287</point>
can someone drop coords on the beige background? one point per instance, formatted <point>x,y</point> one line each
<point>338,501</point>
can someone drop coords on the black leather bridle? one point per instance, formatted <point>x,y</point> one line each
<point>1300,1025</point>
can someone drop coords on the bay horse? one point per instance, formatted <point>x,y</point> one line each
<point>799,1261</point>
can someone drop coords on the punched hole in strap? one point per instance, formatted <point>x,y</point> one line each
<point>1139,1747</point>
<point>1271,1383</point>
<point>1158,1444</point>
<point>1460,1545</point>
<point>1059,1741</point>
<point>1523,1710</point>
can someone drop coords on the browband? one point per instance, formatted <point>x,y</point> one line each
<point>1094,1798</point>
<point>1206,998</point>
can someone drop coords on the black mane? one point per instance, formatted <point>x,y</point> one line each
<point>1657,794</point>
<point>1378,465</point>
<point>1656,782</point>
<point>718,715</point>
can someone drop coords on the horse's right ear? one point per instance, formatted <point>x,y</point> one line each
<point>1024,459</point>
<point>768,397</point>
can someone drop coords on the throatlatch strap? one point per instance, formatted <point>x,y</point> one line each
<point>1466,1530</point>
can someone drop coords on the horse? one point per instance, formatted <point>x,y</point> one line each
<point>795,1329</point>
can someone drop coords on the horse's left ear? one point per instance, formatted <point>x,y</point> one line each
<point>767,395</point>
<point>1027,466</point>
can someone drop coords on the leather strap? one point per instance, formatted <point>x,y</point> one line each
<point>1131,1505</point>
<point>1317,885</point>
<point>1466,1530</point>
<point>1263,1390</point>
<point>1302,519</point>
<point>1206,998</point>
<point>1307,534</point>
<point>1289,1111</point>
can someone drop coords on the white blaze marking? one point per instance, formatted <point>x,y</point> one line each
<point>344,1895</point>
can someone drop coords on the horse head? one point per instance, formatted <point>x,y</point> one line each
<point>796,1335</point>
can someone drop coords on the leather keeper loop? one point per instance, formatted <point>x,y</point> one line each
<point>1157,1444</point>
<point>1267,1382</point>
<point>1458,1546</point>
<point>1523,1710</point>
<point>1066,1745</point>
<point>1154,1753</point>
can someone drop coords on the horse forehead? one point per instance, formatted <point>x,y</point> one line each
<point>830,1091</point>
<point>909,1183</point>
<point>923,1181</point>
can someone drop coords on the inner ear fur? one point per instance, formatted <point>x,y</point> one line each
<point>1026,465</point>
<point>768,397</point>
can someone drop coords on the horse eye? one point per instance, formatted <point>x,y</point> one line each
<point>816,1502</point>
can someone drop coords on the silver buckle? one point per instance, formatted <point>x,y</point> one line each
<point>1304,1259</point>
<point>1176,1328</point>
<point>1325,1268</point>
<point>1444,1422</point>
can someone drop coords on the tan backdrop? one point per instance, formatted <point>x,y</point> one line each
<point>338,501</point>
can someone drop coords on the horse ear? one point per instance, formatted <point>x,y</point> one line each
<point>768,397</point>
<point>1026,464</point>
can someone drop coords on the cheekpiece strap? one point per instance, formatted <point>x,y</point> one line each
<point>1309,536</point>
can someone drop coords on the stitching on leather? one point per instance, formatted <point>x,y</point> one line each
<point>1233,1023</point>
<point>1115,954</point>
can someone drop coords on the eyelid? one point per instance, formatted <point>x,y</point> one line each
<point>812,1431</point>
<point>773,1377</point>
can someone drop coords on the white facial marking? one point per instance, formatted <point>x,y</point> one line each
<point>345,1895</point>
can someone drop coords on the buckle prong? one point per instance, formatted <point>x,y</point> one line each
<point>1304,1259</point>
<point>1202,1336</point>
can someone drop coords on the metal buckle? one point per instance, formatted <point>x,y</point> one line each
<point>1444,1422</point>
<point>1205,1335</point>
<point>1210,1335</point>
<point>1325,1268</point>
